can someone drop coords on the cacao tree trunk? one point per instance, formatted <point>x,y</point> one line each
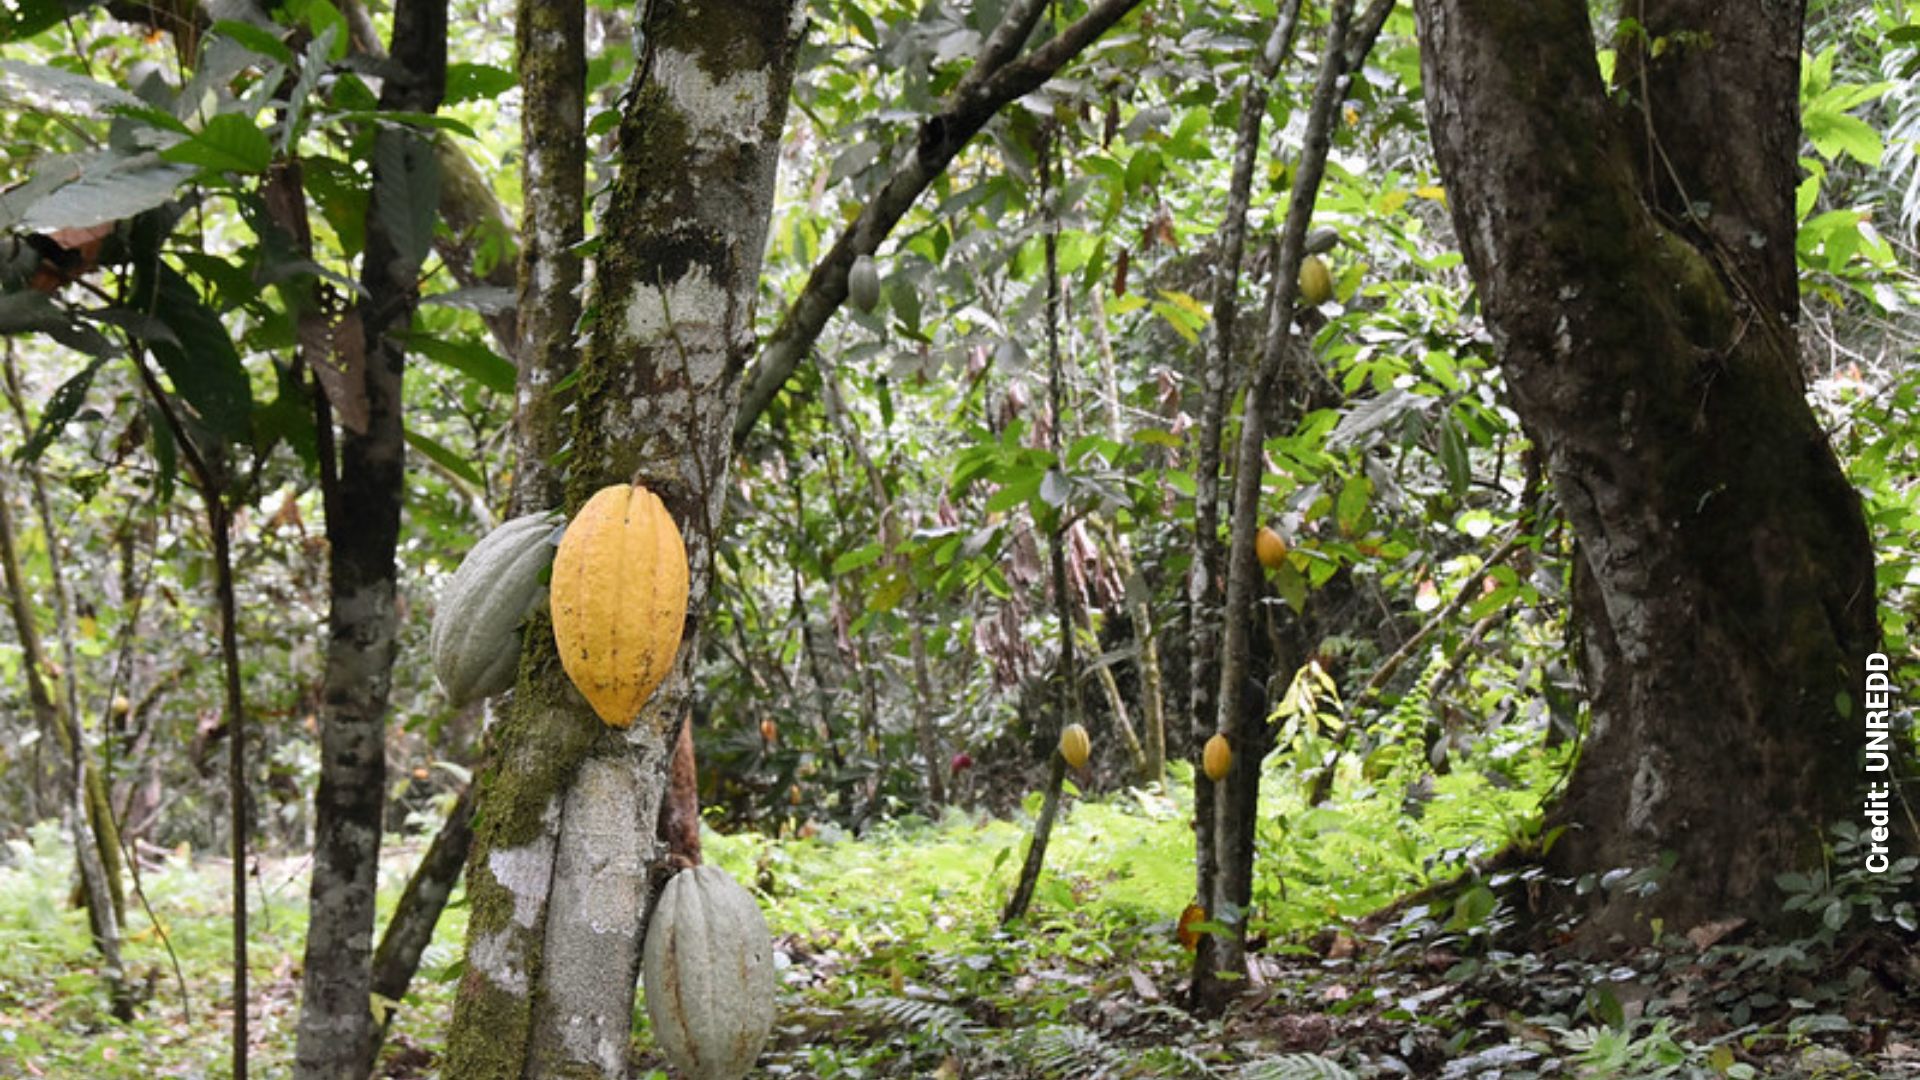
<point>551,39</point>
<point>410,930</point>
<point>336,1030</point>
<point>1219,972</point>
<point>558,877</point>
<point>1206,592</point>
<point>1634,253</point>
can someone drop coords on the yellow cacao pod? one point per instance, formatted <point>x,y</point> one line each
<point>1074,745</point>
<point>1217,758</point>
<point>1270,548</point>
<point>1189,937</point>
<point>619,599</point>
<point>1316,282</point>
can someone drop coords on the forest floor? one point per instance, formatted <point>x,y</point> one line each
<point>894,963</point>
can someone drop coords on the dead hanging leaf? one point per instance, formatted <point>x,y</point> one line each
<point>288,514</point>
<point>342,375</point>
<point>67,255</point>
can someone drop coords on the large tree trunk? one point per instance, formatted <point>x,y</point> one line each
<point>363,526</point>
<point>559,874</point>
<point>1724,587</point>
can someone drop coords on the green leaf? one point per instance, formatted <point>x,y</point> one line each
<point>258,38</point>
<point>58,411</point>
<point>470,358</point>
<point>1015,490</point>
<point>1834,133</point>
<point>229,143</point>
<point>61,90</point>
<point>476,82</point>
<point>445,458</point>
<point>1292,586</point>
<point>200,360</point>
<point>319,16</point>
<point>1355,494</point>
<point>106,186</point>
<point>402,117</point>
<point>406,193</point>
<point>1054,488</point>
<point>25,18</point>
<point>858,558</point>
<point>1835,916</point>
<point>1453,456</point>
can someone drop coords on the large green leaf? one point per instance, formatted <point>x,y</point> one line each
<point>445,458</point>
<point>201,360</point>
<point>100,187</point>
<point>228,143</point>
<point>469,358</point>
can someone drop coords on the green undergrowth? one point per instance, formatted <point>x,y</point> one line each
<point>893,957</point>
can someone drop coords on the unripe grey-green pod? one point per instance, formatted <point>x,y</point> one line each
<point>863,283</point>
<point>476,627</point>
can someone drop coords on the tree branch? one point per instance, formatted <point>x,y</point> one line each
<point>940,137</point>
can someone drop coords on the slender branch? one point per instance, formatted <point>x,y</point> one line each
<point>939,138</point>
<point>1516,536</point>
<point>1206,580</point>
<point>1233,804</point>
<point>551,41</point>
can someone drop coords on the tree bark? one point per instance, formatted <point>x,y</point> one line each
<point>1067,672</point>
<point>1636,263</point>
<point>1206,593</point>
<point>336,1030</point>
<point>551,39</point>
<point>1219,973</point>
<point>410,930</point>
<point>559,873</point>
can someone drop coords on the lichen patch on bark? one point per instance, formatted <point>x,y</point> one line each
<point>493,956</point>
<point>525,872</point>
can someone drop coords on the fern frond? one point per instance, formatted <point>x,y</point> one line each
<point>1296,1067</point>
<point>934,1019</point>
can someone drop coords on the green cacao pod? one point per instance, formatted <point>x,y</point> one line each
<point>476,628</point>
<point>863,283</point>
<point>619,599</point>
<point>707,967</point>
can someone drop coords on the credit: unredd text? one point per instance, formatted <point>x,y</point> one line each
<point>1879,763</point>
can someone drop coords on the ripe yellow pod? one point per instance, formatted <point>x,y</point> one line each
<point>1269,548</point>
<point>1217,758</point>
<point>1074,745</point>
<point>1316,281</point>
<point>619,599</point>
